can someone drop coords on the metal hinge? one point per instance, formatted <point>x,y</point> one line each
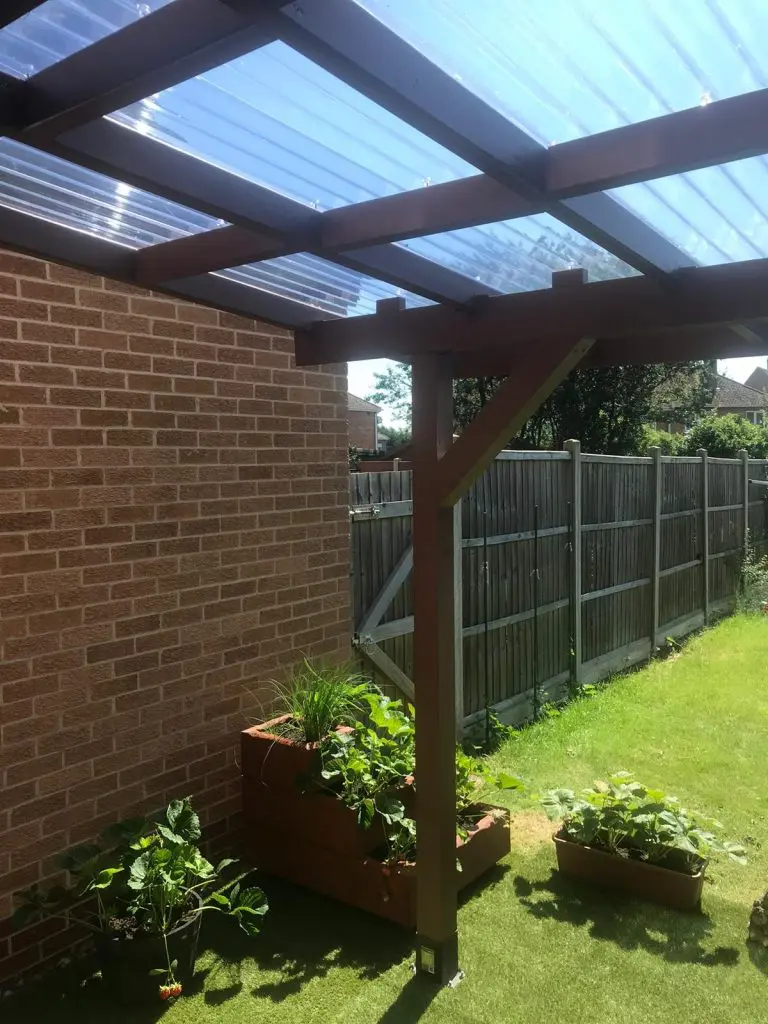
<point>365,512</point>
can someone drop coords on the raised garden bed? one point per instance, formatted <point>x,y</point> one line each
<point>629,875</point>
<point>387,890</point>
<point>276,760</point>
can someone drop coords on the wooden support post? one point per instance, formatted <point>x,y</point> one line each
<point>574,447</point>
<point>434,653</point>
<point>458,622</point>
<point>657,470</point>
<point>744,456</point>
<point>702,453</point>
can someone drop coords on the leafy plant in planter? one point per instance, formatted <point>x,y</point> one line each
<point>630,820</point>
<point>372,770</point>
<point>143,888</point>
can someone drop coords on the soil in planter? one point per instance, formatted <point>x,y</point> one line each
<point>291,730</point>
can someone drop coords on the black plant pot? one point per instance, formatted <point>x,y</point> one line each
<point>126,963</point>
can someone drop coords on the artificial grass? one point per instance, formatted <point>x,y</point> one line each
<point>535,947</point>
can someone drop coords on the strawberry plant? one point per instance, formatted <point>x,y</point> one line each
<point>628,819</point>
<point>145,878</point>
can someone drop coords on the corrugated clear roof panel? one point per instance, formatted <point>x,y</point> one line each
<point>44,186</point>
<point>715,215</point>
<point>59,28</point>
<point>518,255</point>
<point>281,121</point>
<point>562,69</point>
<point>319,283</point>
<point>565,69</point>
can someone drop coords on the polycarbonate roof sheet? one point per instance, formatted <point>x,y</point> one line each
<point>281,121</point>
<point>519,255</point>
<point>562,69</point>
<point>565,69</point>
<point>55,190</point>
<point>59,28</point>
<point>715,214</point>
<point>319,283</point>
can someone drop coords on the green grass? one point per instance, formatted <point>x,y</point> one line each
<point>534,947</point>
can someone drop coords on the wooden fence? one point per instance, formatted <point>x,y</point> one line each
<point>574,566</point>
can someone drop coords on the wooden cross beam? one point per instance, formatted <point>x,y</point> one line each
<point>694,297</point>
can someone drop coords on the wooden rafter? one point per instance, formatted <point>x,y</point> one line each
<point>696,297</point>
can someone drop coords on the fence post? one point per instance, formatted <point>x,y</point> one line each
<point>574,448</point>
<point>458,615</point>
<point>655,573</point>
<point>702,453</point>
<point>744,456</point>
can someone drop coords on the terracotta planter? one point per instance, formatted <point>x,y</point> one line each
<point>633,877</point>
<point>364,882</point>
<point>276,761</point>
<point>316,819</point>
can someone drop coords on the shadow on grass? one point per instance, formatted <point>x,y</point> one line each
<point>759,957</point>
<point>304,937</point>
<point>675,936</point>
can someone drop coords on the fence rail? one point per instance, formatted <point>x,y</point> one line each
<point>573,566</point>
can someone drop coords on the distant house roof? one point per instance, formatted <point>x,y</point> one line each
<point>732,395</point>
<point>758,379</point>
<point>355,404</point>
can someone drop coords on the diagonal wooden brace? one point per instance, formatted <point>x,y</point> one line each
<point>514,403</point>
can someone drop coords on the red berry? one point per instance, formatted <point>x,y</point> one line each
<point>165,991</point>
<point>176,989</point>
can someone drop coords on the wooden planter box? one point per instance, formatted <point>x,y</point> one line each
<point>313,818</point>
<point>363,881</point>
<point>276,761</point>
<point>633,877</point>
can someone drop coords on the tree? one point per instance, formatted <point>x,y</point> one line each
<point>394,436</point>
<point>724,436</point>
<point>393,389</point>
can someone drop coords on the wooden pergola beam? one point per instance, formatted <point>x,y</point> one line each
<point>168,46</point>
<point>702,136</point>
<point>660,347</point>
<point>512,405</point>
<point>696,297</point>
<point>444,207</point>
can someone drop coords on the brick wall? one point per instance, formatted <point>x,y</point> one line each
<point>362,429</point>
<point>173,533</point>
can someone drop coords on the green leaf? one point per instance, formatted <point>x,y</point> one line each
<point>157,971</point>
<point>170,835</point>
<point>506,781</point>
<point>183,820</point>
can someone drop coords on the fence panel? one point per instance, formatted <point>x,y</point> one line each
<point>658,541</point>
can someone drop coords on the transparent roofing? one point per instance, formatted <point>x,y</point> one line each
<point>319,283</point>
<point>279,120</point>
<point>43,185</point>
<point>562,69</point>
<point>519,255</point>
<point>59,28</point>
<point>715,214</point>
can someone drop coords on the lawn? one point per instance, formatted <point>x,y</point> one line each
<point>535,948</point>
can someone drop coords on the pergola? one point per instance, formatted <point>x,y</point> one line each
<point>456,100</point>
